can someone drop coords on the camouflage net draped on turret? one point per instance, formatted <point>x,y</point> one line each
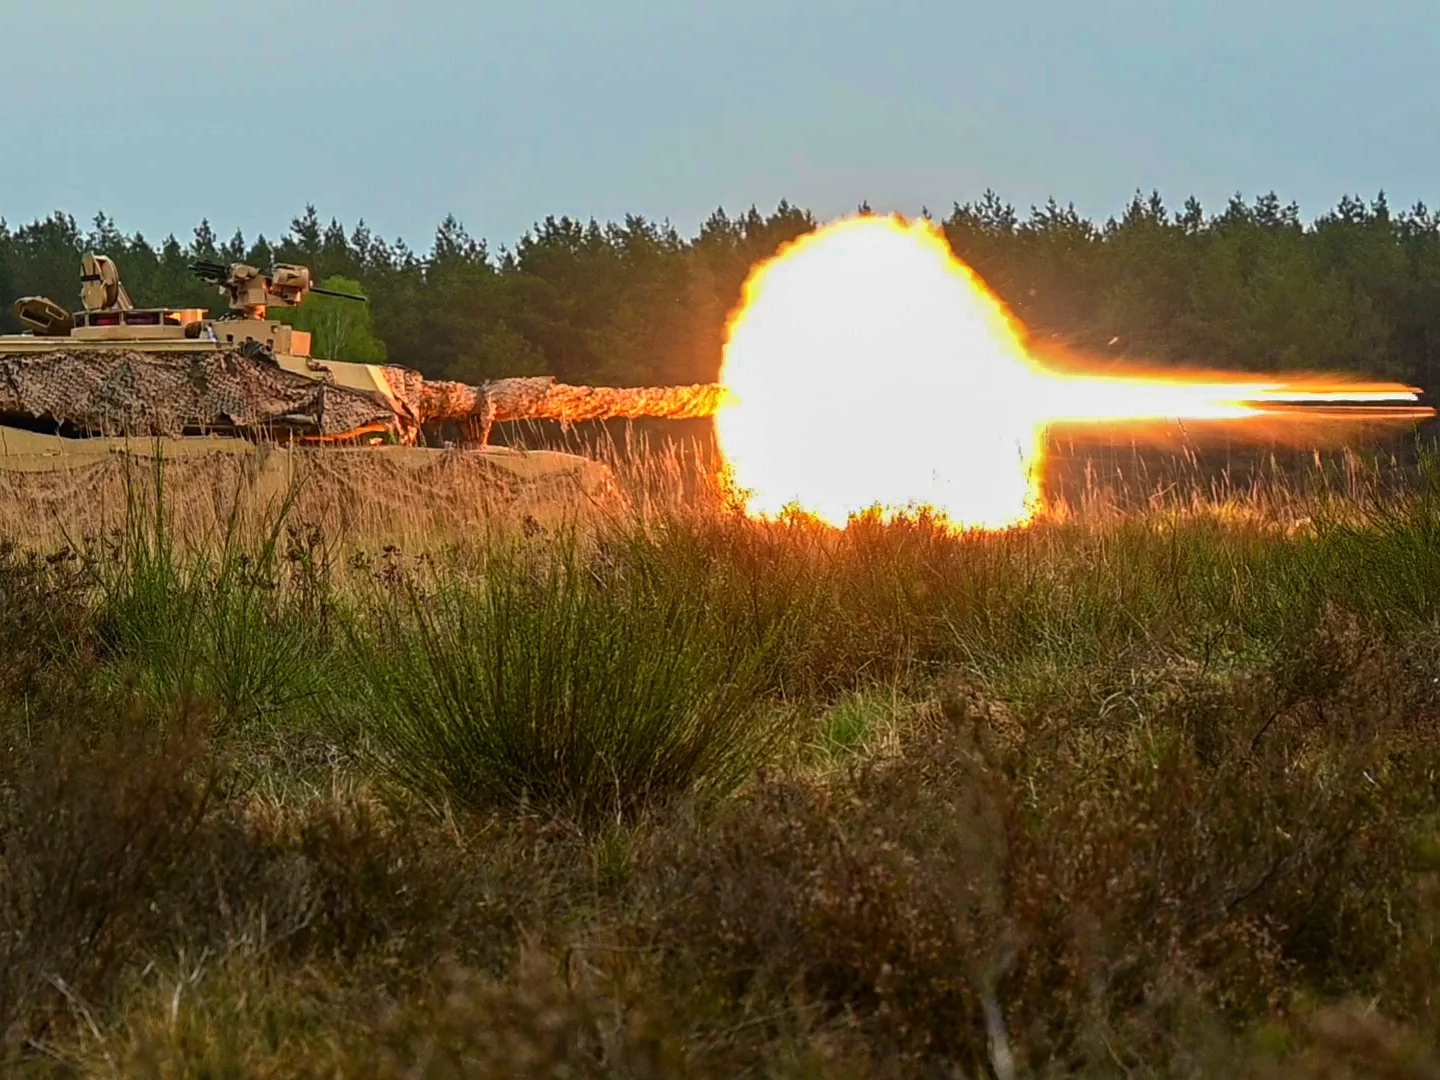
<point>542,398</point>
<point>131,392</point>
<point>123,392</point>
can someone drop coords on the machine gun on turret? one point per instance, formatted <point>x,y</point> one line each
<point>251,292</point>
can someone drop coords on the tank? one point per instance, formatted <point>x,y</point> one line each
<point>112,368</point>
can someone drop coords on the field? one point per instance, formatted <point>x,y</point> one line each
<point>319,767</point>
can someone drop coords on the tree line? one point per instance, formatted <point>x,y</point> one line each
<point>1252,286</point>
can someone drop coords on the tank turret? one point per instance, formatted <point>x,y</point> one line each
<point>109,330</point>
<point>108,318</point>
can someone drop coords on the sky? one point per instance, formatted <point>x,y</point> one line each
<point>161,112</point>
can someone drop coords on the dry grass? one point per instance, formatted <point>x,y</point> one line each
<point>1146,790</point>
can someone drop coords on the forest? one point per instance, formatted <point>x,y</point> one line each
<point>1253,286</point>
<point>394,763</point>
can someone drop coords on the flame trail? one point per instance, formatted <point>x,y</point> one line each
<point>844,320</point>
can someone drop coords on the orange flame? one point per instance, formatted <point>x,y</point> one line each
<point>867,366</point>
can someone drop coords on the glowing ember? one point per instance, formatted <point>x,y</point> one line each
<point>874,319</point>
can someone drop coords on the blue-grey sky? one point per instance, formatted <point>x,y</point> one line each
<point>165,111</point>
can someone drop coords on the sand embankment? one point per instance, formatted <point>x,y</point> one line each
<point>54,489</point>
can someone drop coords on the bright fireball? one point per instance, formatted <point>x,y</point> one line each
<point>867,366</point>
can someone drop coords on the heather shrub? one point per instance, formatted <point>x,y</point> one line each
<point>1243,847</point>
<point>95,820</point>
<point>44,622</point>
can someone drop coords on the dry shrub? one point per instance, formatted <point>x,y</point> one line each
<point>121,848</point>
<point>43,620</point>
<point>348,884</point>
<point>331,882</point>
<point>1352,1042</point>
<point>865,897</point>
<point>1250,844</point>
<point>532,1024</point>
<point>95,823</point>
<point>242,1018</point>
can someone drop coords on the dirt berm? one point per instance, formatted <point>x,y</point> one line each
<point>52,487</point>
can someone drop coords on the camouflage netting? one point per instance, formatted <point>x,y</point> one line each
<point>124,392</point>
<point>130,392</point>
<point>55,492</point>
<point>542,398</point>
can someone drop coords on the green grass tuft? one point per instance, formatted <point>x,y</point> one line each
<point>592,682</point>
